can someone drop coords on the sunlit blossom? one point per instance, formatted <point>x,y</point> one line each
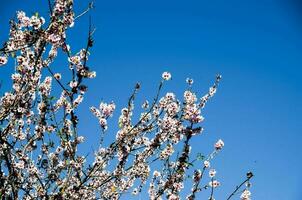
<point>166,76</point>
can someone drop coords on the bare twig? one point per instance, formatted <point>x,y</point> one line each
<point>249,175</point>
<point>90,6</point>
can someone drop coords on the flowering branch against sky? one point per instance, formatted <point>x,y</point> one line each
<point>239,109</point>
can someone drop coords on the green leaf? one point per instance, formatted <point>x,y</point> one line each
<point>120,124</point>
<point>52,98</point>
<point>13,54</point>
<point>200,156</point>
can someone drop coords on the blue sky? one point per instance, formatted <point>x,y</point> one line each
<point>255,45</point>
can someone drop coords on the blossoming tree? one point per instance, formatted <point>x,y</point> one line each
<point>39,134</point>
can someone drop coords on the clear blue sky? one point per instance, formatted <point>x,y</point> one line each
<point>255,45</point>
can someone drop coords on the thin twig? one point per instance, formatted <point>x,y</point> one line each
<point>90,6</point>
<point>249,176</point>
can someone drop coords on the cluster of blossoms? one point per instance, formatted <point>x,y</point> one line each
<point>192,110</point>
<point>105,110</point>
<point>78,62</point>
<point>34,21</point>
<point>168,151</point>
<point>213,183</point>
<point>39,133</point>
<point>45,86</point>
